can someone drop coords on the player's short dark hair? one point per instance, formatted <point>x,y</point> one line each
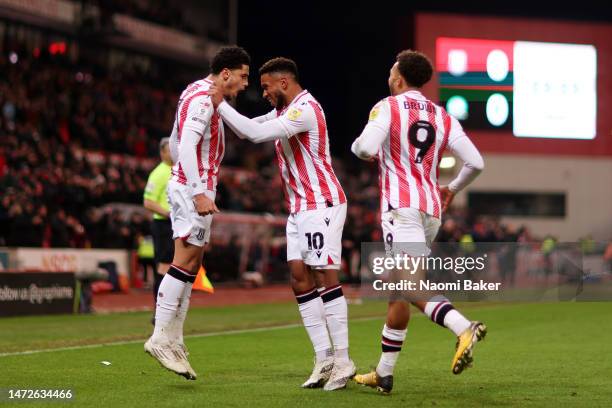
<point>232,57</point>
<point>280,64</point>
<point>415,67</point>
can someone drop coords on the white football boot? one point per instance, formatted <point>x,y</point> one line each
<point>167,355</point>
<point>320,373</point>
<point>341,373</point>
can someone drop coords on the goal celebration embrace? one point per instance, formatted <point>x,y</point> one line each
<point>266,204</point>
<point>406,134</point>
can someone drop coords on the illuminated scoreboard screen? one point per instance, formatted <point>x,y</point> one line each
<point>533,89</point>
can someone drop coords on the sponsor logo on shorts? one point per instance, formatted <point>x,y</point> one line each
<point>326,221</point>
<point>200,235</point>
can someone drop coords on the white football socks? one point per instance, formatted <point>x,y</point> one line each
<point>456,322</point>
<point>168,299</point>
<point>440,310</point>
<point>392,341</point>
<point>181,314</point>
<point>336,316</point>
<point>172,305</point>
<point>313,315</point>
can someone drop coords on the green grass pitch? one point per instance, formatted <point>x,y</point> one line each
<point>535,355</point>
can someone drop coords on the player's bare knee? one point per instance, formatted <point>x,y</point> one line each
<point>324,278</point>
<point>301,278</point>
<point>330,277</point>
<point>319,278</point>
<point>188,257</point>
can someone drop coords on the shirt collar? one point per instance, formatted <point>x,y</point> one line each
<point>299,96</point>
<point>414,94</point>
<point>294,101</point>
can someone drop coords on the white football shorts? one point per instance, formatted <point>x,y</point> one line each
<point>315,237</point>
<point>187,224</point>
<point>409,230</point>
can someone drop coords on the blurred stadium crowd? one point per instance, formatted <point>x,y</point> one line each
<point>163,12</point>
<point>76,138</point>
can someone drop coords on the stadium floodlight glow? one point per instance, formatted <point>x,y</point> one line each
<point>497,65</point>
<point>447,162</point>
<point>497,109</point>
<point>457,106</point>
<point>457,62</point>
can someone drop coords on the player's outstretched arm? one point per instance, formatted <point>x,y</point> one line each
<point>264,118</point>
<point>249,128</point>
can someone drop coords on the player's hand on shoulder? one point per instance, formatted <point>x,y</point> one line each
<point>216,95</point>
<point>204,205</point>
<point>446,196</point>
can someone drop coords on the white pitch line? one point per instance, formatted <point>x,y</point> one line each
<point>212,334</point>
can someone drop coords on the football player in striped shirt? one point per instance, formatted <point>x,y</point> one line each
<point>407,134</point>
<point>317,211</point>
<point>197,144</point>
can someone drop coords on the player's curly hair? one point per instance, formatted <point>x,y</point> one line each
<point>415,67</point>
<point>280,64</point>
<point>232,57</point>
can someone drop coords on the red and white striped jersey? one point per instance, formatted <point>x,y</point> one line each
<point>418,133</point>
<point>197,123</point>
<point>304,161</point>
